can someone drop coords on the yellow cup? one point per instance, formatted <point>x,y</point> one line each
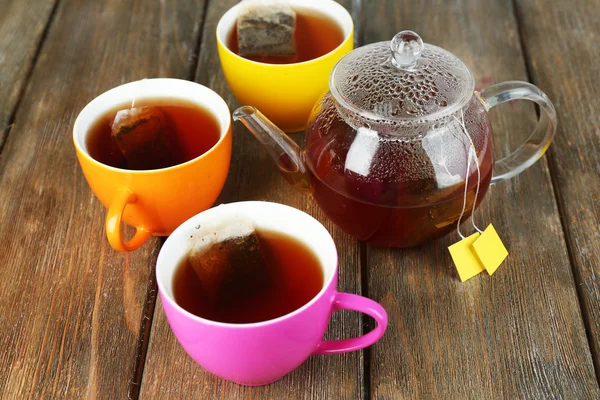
<point>285,93</point>
<point>155,202</point>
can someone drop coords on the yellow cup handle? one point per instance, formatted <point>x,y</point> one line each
<point>113,224</point>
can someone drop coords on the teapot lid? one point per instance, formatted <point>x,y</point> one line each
<point>404,79</point>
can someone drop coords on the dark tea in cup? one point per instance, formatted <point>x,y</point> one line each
<point>167,133</point>
<point>265,276</point>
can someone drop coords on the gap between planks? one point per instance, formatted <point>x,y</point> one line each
<point>198,36</point>
<point>367,324</point>
<point>135,383</point>
<point>11,118</point>
<point>577,278</point>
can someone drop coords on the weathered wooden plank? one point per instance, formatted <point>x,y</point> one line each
<point>518,334</point>
<point>72,306</point>
<point>169,372</point>
<point>561,41</point>
<point>21,30</point>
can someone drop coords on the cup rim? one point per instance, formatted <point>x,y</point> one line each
<point>345,22</point>
<point>218,110</point>
<point>190,223</point>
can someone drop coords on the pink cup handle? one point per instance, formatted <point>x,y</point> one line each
<point>346,301</point>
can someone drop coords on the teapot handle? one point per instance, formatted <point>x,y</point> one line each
<point>537,144</point>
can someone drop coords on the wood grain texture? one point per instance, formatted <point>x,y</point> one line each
<point>72,306</point>
<point>518,334</point>
<point>562,44</point>
<point>21,30</point>
<point>169,371</point>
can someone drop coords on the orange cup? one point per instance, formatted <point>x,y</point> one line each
<point>157,201</point>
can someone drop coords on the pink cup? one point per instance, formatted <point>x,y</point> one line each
<point>260,353</point>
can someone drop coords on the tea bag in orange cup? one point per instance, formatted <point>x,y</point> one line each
<point>154,197</point>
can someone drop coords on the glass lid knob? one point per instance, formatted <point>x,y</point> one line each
<point>406,47</point>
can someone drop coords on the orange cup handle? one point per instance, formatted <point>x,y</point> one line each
<point>113,224</point>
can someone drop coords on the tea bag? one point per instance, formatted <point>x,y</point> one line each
<point>490,250</point>
<point>464,257</point>
<point>266,28</point>
<point>361,153</point>
<point>142,138</point>
<point>225,256</point>
<point>437,147</point>
<point>483,250</point>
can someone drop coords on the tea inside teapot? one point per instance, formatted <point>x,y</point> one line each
<point>387,148</point>
<point>394,190</point>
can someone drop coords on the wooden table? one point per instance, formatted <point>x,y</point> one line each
<point>79,320</point>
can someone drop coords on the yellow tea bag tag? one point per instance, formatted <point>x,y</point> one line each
<point>464,257</point>
<point>490,250</point>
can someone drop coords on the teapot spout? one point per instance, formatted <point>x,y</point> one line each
<point>282,149</point>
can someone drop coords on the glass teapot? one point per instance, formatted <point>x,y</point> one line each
<point>400,146</point>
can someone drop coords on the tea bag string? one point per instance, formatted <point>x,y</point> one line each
<point>474,152</point>
<point>140,82</point>
<point>478,172</point>
<point>133,100</point>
